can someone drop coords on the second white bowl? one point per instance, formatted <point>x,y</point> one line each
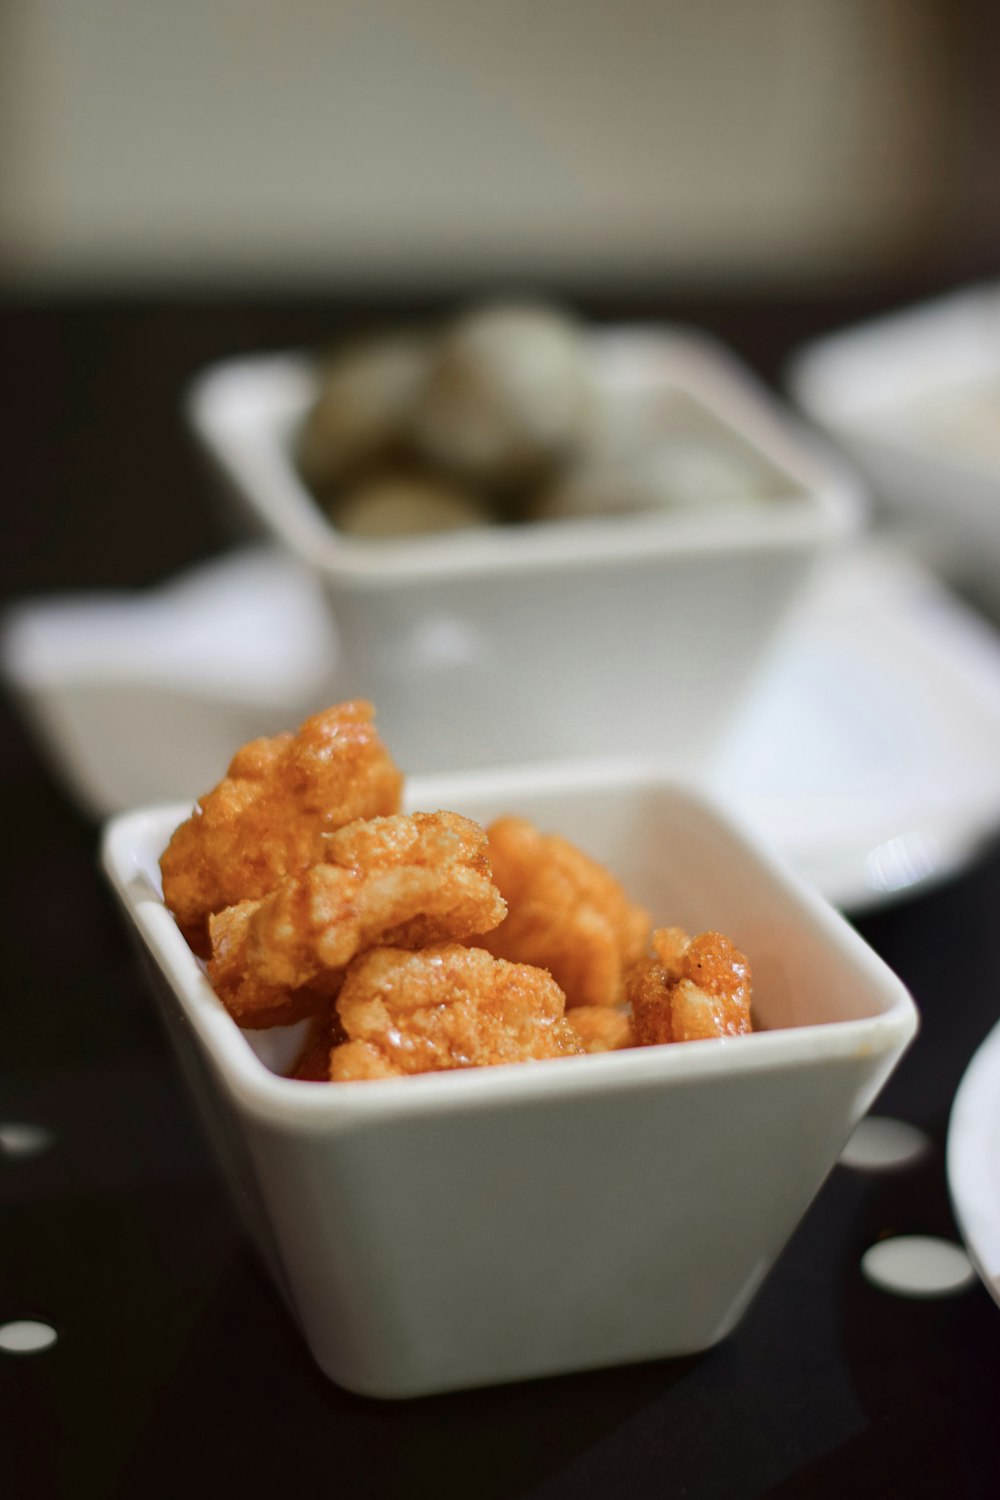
<point>579,637</point>
<point>913,399</point>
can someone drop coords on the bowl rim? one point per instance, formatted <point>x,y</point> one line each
<point>254,458</point>
<point>270,1097</point>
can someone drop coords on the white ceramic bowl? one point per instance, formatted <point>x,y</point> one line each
<point>913,399</point>
<point>461,1229</point>
<point>605,636</point>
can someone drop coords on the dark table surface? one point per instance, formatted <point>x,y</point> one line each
<point>177,1370</point>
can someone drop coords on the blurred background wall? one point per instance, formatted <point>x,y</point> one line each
<point>320,143</point>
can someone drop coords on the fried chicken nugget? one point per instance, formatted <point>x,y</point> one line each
<point>251,1002</point>
<point>601,1028</point>
<point>427,877</point>
<point>273,813</point>
<point>446,1007</point>
<point>403,881</point>
<point>694,988</point>
<point>566,913</point>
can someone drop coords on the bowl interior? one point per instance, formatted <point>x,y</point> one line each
<point>247,414</point>
<point>672,850</point>
<point>690,865</point>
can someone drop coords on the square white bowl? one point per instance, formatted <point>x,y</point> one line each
<point>913,399</point>
<point>628,634</point>
<point>487,1225</point>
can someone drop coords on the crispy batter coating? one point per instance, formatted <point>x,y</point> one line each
<point>354,1062</point>
<point>601,1028</point>
<point>427,877</point>
<point>273,814</point>
<point>251,1001</point>
<point>446,1006</point>
<point>694,988</point>
<point>566,913</point>
<point>670,944</point>
<point>403,881</point>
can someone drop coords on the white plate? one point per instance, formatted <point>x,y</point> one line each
<point>974,1160</point>
<point>870,755</point>
<point>139,697</point>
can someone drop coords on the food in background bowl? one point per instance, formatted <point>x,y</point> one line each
<point>367,394</point>
<point>408,502</point>
<point>510,394</point>
<point>499,416</point>
<point>421,942</point>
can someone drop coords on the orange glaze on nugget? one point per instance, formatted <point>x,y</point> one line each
<point>274,812</point>
<point>694,989</point>
<point>446,1007</point>
<point>313,1062</point>
<point>427,877</point>
<point>251,1001</point>
<point>601,1028</point>
<point>565,913</point>
<point>403,881</point>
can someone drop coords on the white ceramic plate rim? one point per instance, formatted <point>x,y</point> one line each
<point>973,1160</point>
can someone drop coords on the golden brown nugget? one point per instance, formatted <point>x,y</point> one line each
<point>692,990</point>
<point>427,877</point>
<point>565,913</point>
<point>601,1028</point>
<point>252,1002</point>
<point>446,1007</point>
<point>274,812</point>
<point>403,881</point>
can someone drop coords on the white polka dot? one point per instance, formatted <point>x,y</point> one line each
<point>18,1138</point>
<point>918,1265</point>
<point>880,1143</point>
<point>26,1336</point>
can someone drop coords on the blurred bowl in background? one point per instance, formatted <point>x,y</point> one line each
<point>608,628</point>
<point>914,400</point>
